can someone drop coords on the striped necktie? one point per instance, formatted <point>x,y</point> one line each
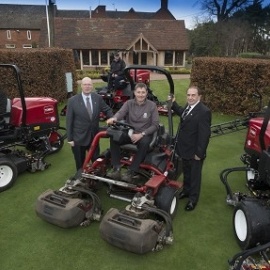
<point>88,107</point>
<point>185,113</point>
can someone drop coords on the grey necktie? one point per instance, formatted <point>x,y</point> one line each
<point>88,107</point>
<point>185,113</point>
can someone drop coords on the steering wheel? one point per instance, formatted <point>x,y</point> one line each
<point>122,125</point>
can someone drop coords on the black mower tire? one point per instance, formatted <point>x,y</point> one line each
<point>251,222</point>
<point>167,200</point>
<point>8,174</point>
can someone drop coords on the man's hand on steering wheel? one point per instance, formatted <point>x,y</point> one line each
<point>111,121</point>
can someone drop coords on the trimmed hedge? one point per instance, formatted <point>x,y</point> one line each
<point>229,84</point>
<point>42,71</point>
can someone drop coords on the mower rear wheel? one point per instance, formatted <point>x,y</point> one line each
<point>251,223</point>
<point>167,200</point>
<point>8,174</point>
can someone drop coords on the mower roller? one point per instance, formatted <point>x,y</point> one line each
<point>145,224</point>
<point>29,131</point>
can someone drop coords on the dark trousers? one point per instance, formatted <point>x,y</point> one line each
<point>192,170</point>
<point>79,153</point>
<point>142,148</point>
<point>114,82</point>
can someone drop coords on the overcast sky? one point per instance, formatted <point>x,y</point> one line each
<point>187,10</point>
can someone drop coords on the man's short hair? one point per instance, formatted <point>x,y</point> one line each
<point>141,85</point>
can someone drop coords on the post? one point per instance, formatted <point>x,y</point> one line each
<point>48,24</point>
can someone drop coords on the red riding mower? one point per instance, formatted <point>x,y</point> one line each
<point>29,131</point>
<point>251,216</point>
<point>146,223</point>
<point>115,98</point>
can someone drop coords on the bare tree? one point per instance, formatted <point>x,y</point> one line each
<point>222,9</point>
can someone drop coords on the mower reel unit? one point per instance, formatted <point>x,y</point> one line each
<point>251,215</point>
<point>29,131</point>
<point>252,259</point>
<point>145,224</point>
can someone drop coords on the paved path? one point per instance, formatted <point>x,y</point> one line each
<point>155,76</point>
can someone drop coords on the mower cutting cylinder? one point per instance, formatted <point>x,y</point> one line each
<point>60,210</point>
<point>129,233</point>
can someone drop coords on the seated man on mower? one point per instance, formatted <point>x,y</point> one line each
<point>116,72</point>
<point>142,114</point>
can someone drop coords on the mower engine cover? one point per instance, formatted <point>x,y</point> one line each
<point>65,212</point>
<point>129,233</point>
<point>42,113</point>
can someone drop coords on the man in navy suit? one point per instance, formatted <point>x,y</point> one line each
<point>82,120</point>
<point>194,133</point>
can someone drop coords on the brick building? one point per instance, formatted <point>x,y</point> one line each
<point>153,38</point>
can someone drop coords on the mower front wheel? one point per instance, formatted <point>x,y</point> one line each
<point>8,174</point>
<point>56,140</point>
<point>167,200</point>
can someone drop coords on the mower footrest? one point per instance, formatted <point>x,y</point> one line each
<point>155,181</point>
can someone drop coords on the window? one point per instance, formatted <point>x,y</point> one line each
<point>10,46</point>
<point>8,34</point>
<point>168,58</point>
<point>179,58</point>
<point>28,33</point>
<point>95,58</point>
<point>143,58</point>
<point>104,58</point>
<point>85,57</point>
<point>27,46</point>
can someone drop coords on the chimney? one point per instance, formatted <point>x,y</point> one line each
<point>164,4</point>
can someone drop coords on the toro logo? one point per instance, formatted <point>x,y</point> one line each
<point>48,109</point>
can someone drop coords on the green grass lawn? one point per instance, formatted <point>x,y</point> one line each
<point>203,239</point>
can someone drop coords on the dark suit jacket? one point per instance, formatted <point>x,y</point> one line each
<point>194,131</point>
<point>80,128</point>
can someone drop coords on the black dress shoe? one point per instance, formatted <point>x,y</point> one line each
<point>182,195</point>
<point>190,206</point>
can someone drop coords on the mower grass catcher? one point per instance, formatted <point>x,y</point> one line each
<point>29,130</point>
<point>145,224</point>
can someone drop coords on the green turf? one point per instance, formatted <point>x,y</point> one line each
<point>203,239</point>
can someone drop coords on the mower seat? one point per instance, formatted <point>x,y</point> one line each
<point>133,148</point>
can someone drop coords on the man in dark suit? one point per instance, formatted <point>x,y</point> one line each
<point>193,138</point>
<point>82,120</point>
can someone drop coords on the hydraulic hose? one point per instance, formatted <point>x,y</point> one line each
<point>164,215</point>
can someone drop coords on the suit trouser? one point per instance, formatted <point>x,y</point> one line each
<point>192,170</point>
<point>114,82</point>
<point>79,153</point>
<point>142,146</point>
